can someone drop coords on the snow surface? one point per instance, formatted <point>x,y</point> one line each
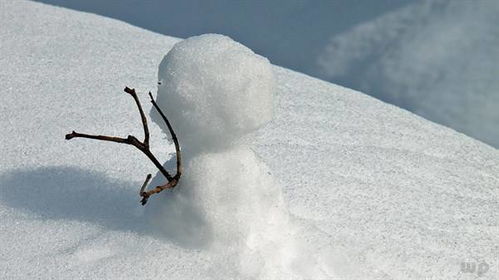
<point>291,33</point>
<point>215,90</point>
<point>435,58</point>
<point>374,192</point>
<point>218,91</point>
<point>438,59</point>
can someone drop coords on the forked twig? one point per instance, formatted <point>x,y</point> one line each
<point>144,148</point>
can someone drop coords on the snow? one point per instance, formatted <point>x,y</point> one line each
<point>215,90</point>
<point>228,204</point>
<point>290,33</point>
<point>218,91</point>
<point>371,191</point>
<point>437,59</point>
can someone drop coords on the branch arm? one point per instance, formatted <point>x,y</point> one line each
<point>144,185</point>
<point>143,147</point>
<point>174,137</point>
<point>98,137</point>
<point>158,165</point>
<point>145,195</point>
<point>131,140</point>
<point>132,92</point>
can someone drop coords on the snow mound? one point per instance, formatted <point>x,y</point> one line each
<point>227,200</point>
<point>214,91</point>
<point>438,59</point>
<point>396,196</point>
<point>223,190</point>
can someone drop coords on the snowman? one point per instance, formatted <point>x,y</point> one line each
<point>215,92</point>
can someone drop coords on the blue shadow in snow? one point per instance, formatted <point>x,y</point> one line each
<point>69,193</point>
<point>73,194</point>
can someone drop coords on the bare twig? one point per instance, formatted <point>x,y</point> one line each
<point>142,116</point>
<point>143,147</point>
<point>144,185</point>
<point>169,185</point>
<point>174,137</point>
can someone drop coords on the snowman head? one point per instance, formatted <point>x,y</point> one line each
<point>214,90</point>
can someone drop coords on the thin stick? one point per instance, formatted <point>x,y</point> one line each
<point>169,185</point>
<point>75,134</point>
<point>144,185</point>
<point>130,140</point>
<point>174,137</point>
<point>143,147</point>
<point>132,92</point>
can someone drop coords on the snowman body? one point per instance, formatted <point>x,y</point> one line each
<point>215,91</point>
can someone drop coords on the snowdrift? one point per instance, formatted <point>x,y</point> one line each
<point>435,58</point>
<point>372,191</point>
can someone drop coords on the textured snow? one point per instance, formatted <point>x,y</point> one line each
<point>227,202</point>
<point>228,205</point>
<point>215,90</point>
<point>438,59</point>
<point>372,191</point>
<point>435,58</point>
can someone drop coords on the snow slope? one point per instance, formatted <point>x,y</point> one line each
<point>436,58</point>
<point>291,33</point>
<point>393,195</point>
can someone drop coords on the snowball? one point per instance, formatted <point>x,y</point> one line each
<point>214,90</point>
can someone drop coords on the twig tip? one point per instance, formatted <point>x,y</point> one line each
<point>144,200</point>
<point>70,135</point>
<point>129,90</point>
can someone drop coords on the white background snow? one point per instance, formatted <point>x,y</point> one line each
<point>372,191</point>
<point>436,58</point>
